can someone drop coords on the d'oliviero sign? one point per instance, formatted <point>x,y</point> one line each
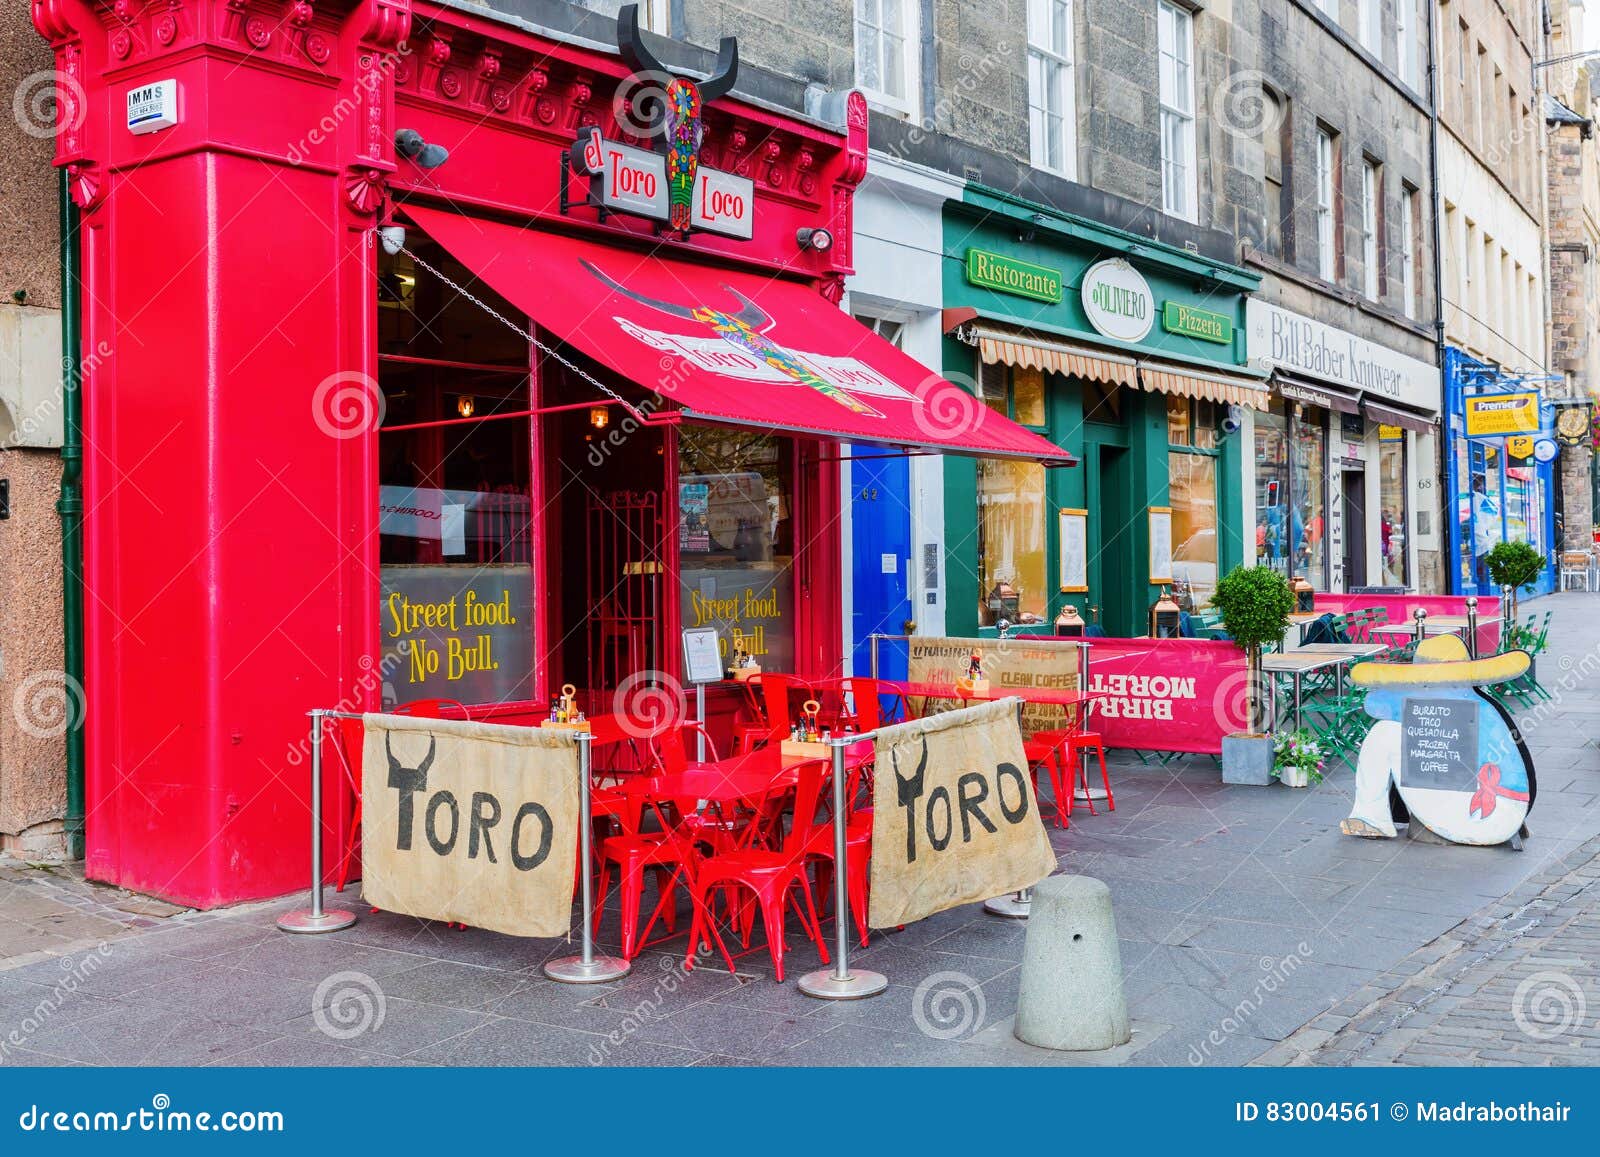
<point>666,183</point>
<point>1117,300</point>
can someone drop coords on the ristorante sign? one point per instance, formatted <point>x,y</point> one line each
<point>1283,339</point>
<point>667,183</point>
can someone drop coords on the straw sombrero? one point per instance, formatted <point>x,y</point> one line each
<point>1442,659</point>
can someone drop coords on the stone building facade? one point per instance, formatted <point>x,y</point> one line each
<point>1574,244</point>
<point>1335,209</point>
<point>33,692</point>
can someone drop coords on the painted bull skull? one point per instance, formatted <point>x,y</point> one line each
<point>677,111</point>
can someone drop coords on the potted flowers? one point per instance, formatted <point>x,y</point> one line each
<point>1255,603</point>
<point>1297,759</point>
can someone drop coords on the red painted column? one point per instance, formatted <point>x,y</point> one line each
<point>231,553</point>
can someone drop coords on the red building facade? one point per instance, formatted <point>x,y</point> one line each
<point>233,279</point>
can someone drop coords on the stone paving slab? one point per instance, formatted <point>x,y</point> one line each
<point>1250,931</point>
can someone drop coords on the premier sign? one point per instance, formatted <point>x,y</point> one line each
<point>626,179</point>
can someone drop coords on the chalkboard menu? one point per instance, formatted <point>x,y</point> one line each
<point>1440,744</point>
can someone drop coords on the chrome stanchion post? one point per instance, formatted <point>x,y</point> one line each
<point>841,983</point>
<point>586,968</point>
<point>1472,626</point>
<point>874,638</point>
<point>1505,615</point>
<point>1017,905</point>
<point>316,918</point>
<point>1421,617</point>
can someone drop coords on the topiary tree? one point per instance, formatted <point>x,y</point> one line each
<point>1255,602</point>
<point>1514,565</point>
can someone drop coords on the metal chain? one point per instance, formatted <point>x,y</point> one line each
<point>527,334</point>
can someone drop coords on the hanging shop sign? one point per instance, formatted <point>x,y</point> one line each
<point>1545,450</point>
<point>1500,414</point>
<point>1277,337</point>
<point>1519,446</point>
<point>1572,424</point>
<point>1391,434</point>
<point>1203,324</point>
<point>667,182</point>
<point>1008,275</point>
<point>625,179</point>
<point>1117,300</point>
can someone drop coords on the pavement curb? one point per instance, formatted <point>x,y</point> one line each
<point>1376,1023</point>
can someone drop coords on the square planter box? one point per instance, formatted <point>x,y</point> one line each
<point>1247,759</point>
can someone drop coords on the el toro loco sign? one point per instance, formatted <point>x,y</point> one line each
<point>666,183</point>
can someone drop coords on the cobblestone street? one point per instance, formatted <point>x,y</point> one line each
<point>1251,932</point>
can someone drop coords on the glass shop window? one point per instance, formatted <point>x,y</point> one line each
<point>736,540</point>
<point>1012,561</point>
<point>1192,487</point>
<point>456,603</point>
<point>1309,476</point>
<point>1273,522</point>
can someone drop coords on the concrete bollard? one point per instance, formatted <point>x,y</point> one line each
<point>1071,994</point>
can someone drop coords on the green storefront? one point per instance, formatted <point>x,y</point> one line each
<point>1126,352</point>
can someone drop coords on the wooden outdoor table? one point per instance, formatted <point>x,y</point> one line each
<point>1298,664</point>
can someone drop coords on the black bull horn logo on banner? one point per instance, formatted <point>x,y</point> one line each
<point>483,815</point>
<point>939,811</point>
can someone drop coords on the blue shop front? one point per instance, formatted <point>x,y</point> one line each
<point>1500,469</point>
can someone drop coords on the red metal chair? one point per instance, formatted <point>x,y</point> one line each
<point>1044,751</point>
<point>770,876</point>
<point>348,748</point>
<point>750,733</point>
<point>1078,742</point>
<point>635,851</point>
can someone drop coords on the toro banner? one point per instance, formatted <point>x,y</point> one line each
<point>955,815</point>
<point>473,822</point>
<point>1167,694</point>
<point>1009,665</point>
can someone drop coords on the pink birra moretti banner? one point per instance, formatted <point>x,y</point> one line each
<point>1167,694</point>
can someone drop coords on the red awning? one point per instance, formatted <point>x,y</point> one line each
<point>729,346</point>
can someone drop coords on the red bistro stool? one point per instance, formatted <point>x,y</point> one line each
<point>1076,746</point>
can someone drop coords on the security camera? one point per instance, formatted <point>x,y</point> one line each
<point>392,238</point>
<point>409,143</point>
<point>1234,421</point>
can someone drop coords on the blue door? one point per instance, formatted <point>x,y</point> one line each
<point>880,508</point>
